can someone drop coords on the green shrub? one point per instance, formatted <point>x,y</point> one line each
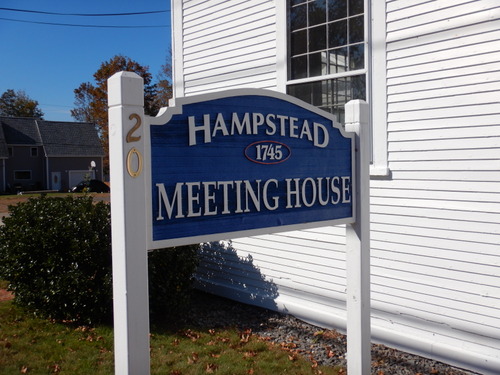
<point>170,274</point>
<point>56,255</point>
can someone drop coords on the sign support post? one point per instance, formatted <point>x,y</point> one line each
<point>128,210</point>
<point>358,247</point>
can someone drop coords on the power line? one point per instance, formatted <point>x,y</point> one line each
<point>88,26</point>
<point>86,14</point>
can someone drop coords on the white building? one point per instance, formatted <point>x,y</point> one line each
<point>430,70</point>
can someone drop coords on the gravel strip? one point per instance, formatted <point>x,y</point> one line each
<point>325,347</point>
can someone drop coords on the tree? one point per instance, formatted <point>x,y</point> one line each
<point>91,99</point>
<point>164,77</point>
<point>18,104</point>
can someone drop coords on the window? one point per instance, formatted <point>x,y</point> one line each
<point>327,60</point>
<point>10,150</point>
<point>34,151</point>
<point>326,52</point>
<point>22,175</point>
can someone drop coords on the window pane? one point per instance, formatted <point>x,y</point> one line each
<point>337,9</point>
<point>317,64</point>
<point>22,175</point>
<point>338,60</point>
<point>302,91</point>
<point>298,17</point>
<point>357,57</point>
<point>355,7</point>
<point>356,29</point>
<point>317,12</point>
<point>358,87</point>
<point>317,38</point>
<point>295,2</point>
<point>337,34</point>
<point>299,67</point>
<point>299,43</point>
<point>317,93</point>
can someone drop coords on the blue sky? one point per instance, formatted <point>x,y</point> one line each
<point>48,62</point>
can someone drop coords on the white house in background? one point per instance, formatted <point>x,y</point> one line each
<point>430,70</point>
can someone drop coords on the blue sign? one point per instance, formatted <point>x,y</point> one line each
<point>238,162</point>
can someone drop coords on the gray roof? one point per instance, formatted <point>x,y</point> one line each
<point>70,139</point>
<point>20,131</point>
<point>57,138</point>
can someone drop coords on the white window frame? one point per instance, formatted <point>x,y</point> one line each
<point>375,69</point>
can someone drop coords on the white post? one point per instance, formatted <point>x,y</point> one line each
<point>128,224</point>
<point>358,247</point>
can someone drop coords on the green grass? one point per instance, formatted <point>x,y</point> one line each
<point>38,346</point>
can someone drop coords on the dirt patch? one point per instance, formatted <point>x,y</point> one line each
<point>5,295</point>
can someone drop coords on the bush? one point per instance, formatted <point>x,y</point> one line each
<point>170,274</point>
<point>56,255</point>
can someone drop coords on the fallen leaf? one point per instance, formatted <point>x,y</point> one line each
<point>55,368</point>
<point>249,354</point>
<point>8,345</point>
<point>24,370</point>
<point>250,372</point>
<point>210,368</point>
<point>193,359</point>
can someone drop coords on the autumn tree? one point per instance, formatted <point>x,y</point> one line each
<point>91,99</point>
<point>164,85</point>
<point>18,104</point>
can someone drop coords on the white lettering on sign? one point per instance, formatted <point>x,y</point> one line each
<point>209,198</point>
<point>251,124</point>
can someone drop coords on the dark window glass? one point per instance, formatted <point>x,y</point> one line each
<point>337,34</point>
<point>22,175</point>
<point>299,67</point>
<point>356,29</point>
<point>295,2</point>
<point>355,7</point>
<point>317,38</point>
<point>356,57</point>
<point>317,12</point>
<point>299,42</point>
<point>337,60</point>
<point>358,87</point>
<point>337,9</point>
<point>317,93</point>
<point>302,91</point>
<point>298,17</point>
<point>317,64</point>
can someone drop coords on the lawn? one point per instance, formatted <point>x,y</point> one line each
<point>38,346</point>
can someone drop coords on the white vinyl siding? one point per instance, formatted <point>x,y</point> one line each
<point>227,45</point>
<point>436,225</point>
<point>435,221</point>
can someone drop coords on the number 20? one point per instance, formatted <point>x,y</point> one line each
<point>132,138</point>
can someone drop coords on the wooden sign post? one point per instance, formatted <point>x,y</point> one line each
<point>218,166</point>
